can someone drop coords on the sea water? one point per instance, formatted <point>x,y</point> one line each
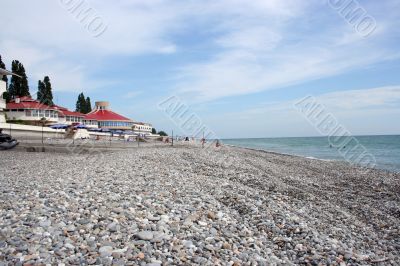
<point>385,149</point>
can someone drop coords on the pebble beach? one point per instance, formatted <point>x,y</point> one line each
<point>185,205</point>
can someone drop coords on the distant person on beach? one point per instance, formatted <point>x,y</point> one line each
<point>217,144</point>
<point>203,141</point>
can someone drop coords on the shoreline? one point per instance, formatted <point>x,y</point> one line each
<point>188,205</point>
<point>314,158</point>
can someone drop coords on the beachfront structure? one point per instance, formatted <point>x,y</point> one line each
<point>68,117</point>
<point>142,128</point>
<point>108,119</point>
<point>3,89</point>
<point>30,111</point>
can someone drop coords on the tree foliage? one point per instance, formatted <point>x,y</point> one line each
<point>88,105</point>
<point>162,133</point>
<point>153,131</point>
<point>83,105</point>
<point>18,85</point>
<point>45,94</point>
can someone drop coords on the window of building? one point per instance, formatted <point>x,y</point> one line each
<point>28,113</point>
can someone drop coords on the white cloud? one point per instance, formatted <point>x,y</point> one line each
<point>260,45</point>
<point>365,111</point>
<point>370,99</point>
<point>283,49</point>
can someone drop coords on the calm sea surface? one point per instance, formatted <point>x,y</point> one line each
<point>385,149</point>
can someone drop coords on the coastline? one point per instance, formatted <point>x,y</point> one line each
<point>342,160</point>
<point>187,205</point>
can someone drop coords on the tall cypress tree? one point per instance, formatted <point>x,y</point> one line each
<point>83,105</point>
<point>88,105</point>
<point>49,93</point>
<point>41,91</point>
<point>45,94</point>
<point>80,103</point>
<point>18,85</point>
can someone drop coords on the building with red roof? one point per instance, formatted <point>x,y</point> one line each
<point>66,116</point>
<point>32,112</point>
<point>29,110</point>
<point>108,119</point>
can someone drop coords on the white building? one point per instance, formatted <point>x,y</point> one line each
<point>30,111</point>
<point>3,88</point>
<point>68,117</point>
<point>142,128</point>
<point>105,118</point>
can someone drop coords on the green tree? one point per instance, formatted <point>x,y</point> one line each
<point>80,103</point>
<point>48,97</point>
<point>153,131</point>
<point>83,105</point>
<point>45,93</point>
<point>88,105</point>
<point>41,90</point>
<point>18,85</point>
<point>162,133</point>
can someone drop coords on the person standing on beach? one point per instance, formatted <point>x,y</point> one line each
<point>217,144</point>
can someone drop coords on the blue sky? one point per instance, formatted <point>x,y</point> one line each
<point>239,65</point>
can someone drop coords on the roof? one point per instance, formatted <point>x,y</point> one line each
<point>60,107</point>
<point>71,113</point>
<point>27,102</point>
<point>106,115</point>
<point>64,111</point>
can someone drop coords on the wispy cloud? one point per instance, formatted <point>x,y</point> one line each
<point>352,108</point>
<point>250,46</point>
<point>282,50</point>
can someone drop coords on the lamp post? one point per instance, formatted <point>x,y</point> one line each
<point>43,122</point>
<point>203,140</point>
<point>138,139</point>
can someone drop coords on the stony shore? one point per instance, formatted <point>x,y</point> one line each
<point>192,206</point>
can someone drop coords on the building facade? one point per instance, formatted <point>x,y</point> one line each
<point>142,128</point>
<point>68,117</point>
<point>33,112</point>
<point>30,111</point>
<point>108,119</point>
